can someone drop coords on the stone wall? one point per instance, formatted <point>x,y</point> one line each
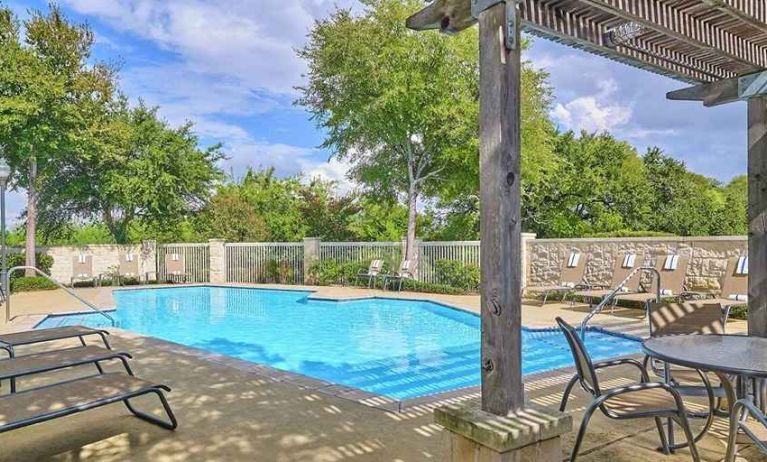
<point>707,264</point>
<point>105,258</point>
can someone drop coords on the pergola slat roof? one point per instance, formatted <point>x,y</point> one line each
<point>695,41</point>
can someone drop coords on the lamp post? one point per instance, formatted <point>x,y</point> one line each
<point>5,172</point>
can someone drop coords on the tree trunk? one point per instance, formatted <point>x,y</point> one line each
<point>410,252</point>
<point>31,241</point>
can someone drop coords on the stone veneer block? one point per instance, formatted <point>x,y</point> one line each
<point>529,434</point>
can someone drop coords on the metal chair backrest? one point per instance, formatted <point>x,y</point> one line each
<point>128,264</point>
<point>671,279</point>
<point>735,282</point>
<point>82,266</point>
<point>174,264</point>
<point>683,318</point>
<point>573,268</point>
<point>375,267</point>
<point>624,265</point>
<point>583,364</point>
<point>405,269</point>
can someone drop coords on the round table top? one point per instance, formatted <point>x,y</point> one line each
<point>733,354</point>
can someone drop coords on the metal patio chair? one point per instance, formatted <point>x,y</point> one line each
<point>373,272</point>
<point>750,419</point>
<point>644,400</point>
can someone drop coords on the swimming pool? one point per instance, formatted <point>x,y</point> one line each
<point>396,348</point>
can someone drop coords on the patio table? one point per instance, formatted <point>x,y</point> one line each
<point>724,355</point>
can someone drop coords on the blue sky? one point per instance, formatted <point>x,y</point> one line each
<point>230,67</point>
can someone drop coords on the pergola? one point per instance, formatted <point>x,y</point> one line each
<point>717,46</point>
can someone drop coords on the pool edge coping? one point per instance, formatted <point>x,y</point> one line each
<point>306,382</point>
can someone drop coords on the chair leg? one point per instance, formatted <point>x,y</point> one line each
<point>545,296</point>
<point>732,437</point>
<point>662,434</point>
<point>170,425</point>
<point>566,394</point>
<point>582,430</point>
<point>685,424</point>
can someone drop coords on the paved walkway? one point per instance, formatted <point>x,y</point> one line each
<point>232,413</point>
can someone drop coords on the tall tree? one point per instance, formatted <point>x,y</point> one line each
<point>397,104</point>
<point>49,94</point>
<point>139,169</point>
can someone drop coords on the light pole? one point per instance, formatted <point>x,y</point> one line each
<point>5,172</point>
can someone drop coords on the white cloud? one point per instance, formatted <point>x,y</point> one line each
<point>332,170</point>
<point>597,112</point>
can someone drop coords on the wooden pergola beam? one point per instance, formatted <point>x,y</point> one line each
<point>671,22</point>
<point>752,12</point>
<point>452,16</point>
<point>724,91</point>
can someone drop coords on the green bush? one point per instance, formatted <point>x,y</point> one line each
<point>739,312</point>
<point>418,286</point>
<point>44,262</point>
<point>630,233</point>
<point>457,274</point>
<point>326,272</point>
<point>26,284</point>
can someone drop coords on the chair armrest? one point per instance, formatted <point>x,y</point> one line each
<point>623,361</point>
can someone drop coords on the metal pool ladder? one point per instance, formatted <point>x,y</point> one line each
<point>609,297</point>
<point>58,284</point>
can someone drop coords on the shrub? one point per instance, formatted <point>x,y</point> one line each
<point>26,284</point>
<point>44,262</point>
<point>419,286</point>
<point>739,312</point>
<point>457,274</point>
<point>326,272</point>
<point>630,233</point>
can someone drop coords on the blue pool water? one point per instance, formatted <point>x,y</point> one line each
<point>397,348</point>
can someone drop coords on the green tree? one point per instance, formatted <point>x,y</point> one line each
<point>230,216</point>
<point>49,95</point>
<point>326,214</point>
<point>378,220</point>
<point>139,170</point>
<point>734,216</point>
<point>397,104</point>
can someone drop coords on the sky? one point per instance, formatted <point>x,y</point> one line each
<point>230,67</point>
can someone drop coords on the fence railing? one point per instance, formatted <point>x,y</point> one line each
<point>429,253</point>
<point>275,262</point>
<point>344,252</point>
<point>196,260</point>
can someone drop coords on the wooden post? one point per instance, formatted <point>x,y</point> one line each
<point>500,224</point>
<point>757,216</point>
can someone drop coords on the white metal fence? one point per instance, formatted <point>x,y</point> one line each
<point>466,252</point>
<point>275,262</point>
<point>344,252</point>
<point>196,259</point>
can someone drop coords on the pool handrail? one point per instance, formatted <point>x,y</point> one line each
<point>57,283</point>
<point>617,289</point>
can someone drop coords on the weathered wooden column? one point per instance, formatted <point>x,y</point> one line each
<point>501,426</point>
<point>757,216</point>
<point>500,225</point>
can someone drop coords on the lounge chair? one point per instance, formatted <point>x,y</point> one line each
<point>734,284</point>
<point>404,273</point>
<point>61,399</point>
<point>373,272</point>
<point>672,269</point>
<point>128,267</point>
<point>13,368</point>
<point>175,269</point>
<point>9,342</point>
<point>643,400</point>
<point>82,270</point>
<point>571,277</point>
<point>622,267</point>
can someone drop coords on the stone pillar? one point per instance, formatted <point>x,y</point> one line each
<point>473,435</point>
<point>526,240</point>
<point>311,255</point>
<point>217,261</point>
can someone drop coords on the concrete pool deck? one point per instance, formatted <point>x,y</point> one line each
<point>230,412</point>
